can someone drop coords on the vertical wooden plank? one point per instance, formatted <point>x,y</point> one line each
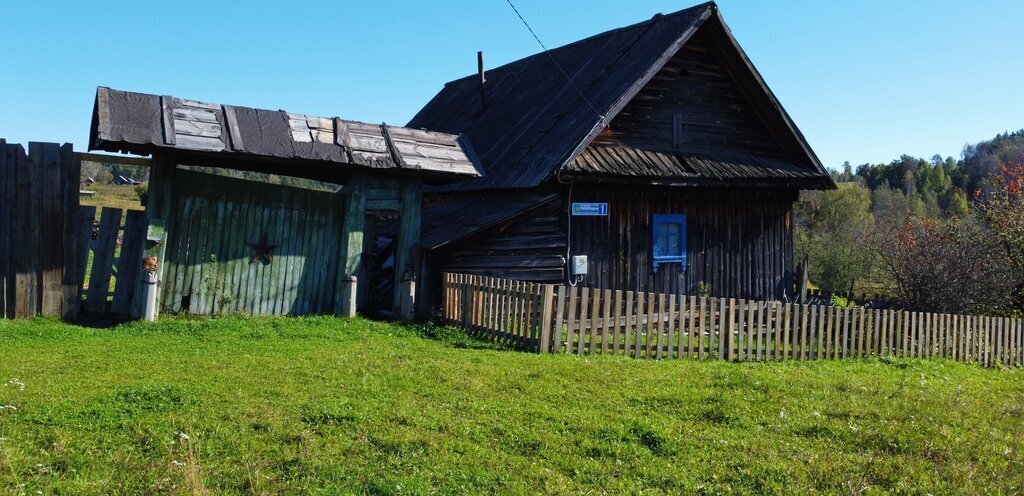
<point>606,305</point>
<point>926,330</point>
<point>660,328</point>
<point>861,330</point>
<point>883,334</point>
<point>775,337</point>
<point>969,353</point>
<point>595,314</point>
<point>618,322</point>
<point>408,236</point>
<point>905,318</point>
<point>727,340</point>
<point>844,339</point>
<point>51,219</point>
<point>702,329</point>
<point>649,328</point>
<point>163,169</point>
<point>26,232</point>
<point>786,320</point>
<point>559,319</point>
<point>583,326</point>
<point>128,266</point>
<point>740,335</point>
<point>103,260</point>
<point>954,336</point>
<point>628,343</point>
<point>692,326</point>
<point>639,324</point>
<point>803,331</point>
<point>6,217</point>
<point>762,331</point>
<point>722,329</point>
<point>350,240</point>
<point>752,329</point>
<point>677,319</point>
<point>874,322</point>
<point>70,174</point>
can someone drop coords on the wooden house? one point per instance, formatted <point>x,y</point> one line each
<point>656,150</point>
<point>226,244</point>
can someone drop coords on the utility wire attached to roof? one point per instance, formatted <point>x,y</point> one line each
<point>560,69</point>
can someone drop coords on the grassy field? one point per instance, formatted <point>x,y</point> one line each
<point>322,405</point>
<point>111,195</point>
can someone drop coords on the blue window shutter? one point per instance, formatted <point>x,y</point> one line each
<point>668,240</point>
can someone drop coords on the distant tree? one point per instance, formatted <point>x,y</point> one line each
<point>831,232</point>
<point>1003,208</point>
<point>954,267</point>
<point>889,205</point>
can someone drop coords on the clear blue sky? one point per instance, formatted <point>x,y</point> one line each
<point>866,81</point>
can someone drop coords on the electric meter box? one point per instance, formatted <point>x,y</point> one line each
<point>579,265</point>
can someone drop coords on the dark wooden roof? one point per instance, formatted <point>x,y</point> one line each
<point>141,123</point>
<point>446,223</point>
<point>535,122</point>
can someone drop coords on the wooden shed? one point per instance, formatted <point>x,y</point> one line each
<point>228,244</point>
<point>655,150</point>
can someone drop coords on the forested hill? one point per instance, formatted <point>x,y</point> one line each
<point>938,187</point>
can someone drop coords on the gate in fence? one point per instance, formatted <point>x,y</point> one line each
<point>549,318</point>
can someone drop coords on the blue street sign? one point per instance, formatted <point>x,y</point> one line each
<point>589,209</point>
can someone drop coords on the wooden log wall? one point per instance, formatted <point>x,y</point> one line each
<point>587,321</point>
<point>216,225</point>
<point>38,208</point>
<point>739,242</point>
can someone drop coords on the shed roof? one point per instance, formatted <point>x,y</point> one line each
<point>141,123</point>
<point>535,122</point>
<point>446,223</point>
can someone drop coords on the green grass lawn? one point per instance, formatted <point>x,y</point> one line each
<point>323,405</point>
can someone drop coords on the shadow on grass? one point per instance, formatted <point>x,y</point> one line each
<point>454,337</point>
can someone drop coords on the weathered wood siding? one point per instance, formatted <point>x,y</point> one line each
<point>739,242</point>
<point>692,105</point>
<point>530,249</point>
<point>210,268</point>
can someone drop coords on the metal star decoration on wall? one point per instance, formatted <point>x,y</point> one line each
<point>264,251</point>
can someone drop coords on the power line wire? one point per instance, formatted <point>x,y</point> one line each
<point>557,65</point>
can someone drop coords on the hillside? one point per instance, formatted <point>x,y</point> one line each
<point>323,405</point>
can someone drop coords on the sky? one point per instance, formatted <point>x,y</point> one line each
<point>866,81</point>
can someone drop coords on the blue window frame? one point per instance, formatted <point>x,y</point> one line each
<point>669,239</point>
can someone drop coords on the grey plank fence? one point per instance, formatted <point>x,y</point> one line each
<point>554,318</point>
<point>38,208</point>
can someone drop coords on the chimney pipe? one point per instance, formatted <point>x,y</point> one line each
<point>483,79</point>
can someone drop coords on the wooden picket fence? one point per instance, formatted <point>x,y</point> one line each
<point>577,320</point>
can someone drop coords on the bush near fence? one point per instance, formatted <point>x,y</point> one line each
<point>578,320</point>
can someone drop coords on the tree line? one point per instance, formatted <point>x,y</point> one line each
<point>938,234</point>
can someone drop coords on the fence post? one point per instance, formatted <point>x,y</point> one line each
<point>547,295</point>
<point>466,300</point>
